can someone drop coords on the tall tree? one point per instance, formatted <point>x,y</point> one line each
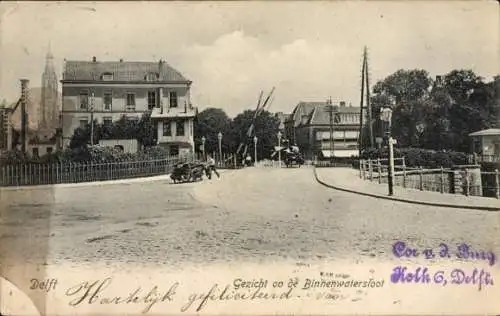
<point>209,123</point>
<point>410,90</point>
<point>147,131</point>
<point>473,106</point>
<point>266,130</point>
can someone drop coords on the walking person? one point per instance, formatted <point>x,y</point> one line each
<point>211,165</point>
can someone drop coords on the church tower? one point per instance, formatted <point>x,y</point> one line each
<point>48,106</point>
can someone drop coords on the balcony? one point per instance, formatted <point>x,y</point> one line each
<point>487,158</point>
<point>178,112</point>
<point>175,139</point>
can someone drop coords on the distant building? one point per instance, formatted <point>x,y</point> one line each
<point>283,118</point>
<point>108,90</point>
<point>486,144</point>
<point>309,128</point>
<point>45,139</point>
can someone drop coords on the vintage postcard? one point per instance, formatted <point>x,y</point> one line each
<point>250,158</point>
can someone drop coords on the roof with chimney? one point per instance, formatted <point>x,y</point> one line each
<point>121,71</point>
<point>316,113</point>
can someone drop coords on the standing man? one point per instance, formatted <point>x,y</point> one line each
<point>211,165</point>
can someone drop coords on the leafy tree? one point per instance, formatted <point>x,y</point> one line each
<point>208,124</point>
<point>472,106</point>
<point>409,89</point>
<point>266,130</point>
<point>147,131</point>
<point>404,85</point>
<point>438,116</point>
<point>81,136</point>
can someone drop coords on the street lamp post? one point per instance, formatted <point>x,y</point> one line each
<point>279,149</point>
<point>386,116</point>
<point>203,139</point>
<point>255,149</point>
<point>92,119</point>
<point>219,137</point>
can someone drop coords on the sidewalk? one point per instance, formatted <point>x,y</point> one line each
<point>347,179</point>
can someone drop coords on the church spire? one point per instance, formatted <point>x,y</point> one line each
<point>48,106</point>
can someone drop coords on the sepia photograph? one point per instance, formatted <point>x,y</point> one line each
<point>249,157</point>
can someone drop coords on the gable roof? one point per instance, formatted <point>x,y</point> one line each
<point>321,115</point>
<point>303,108</point>
<point>121,70</point>
<point>317,112</point>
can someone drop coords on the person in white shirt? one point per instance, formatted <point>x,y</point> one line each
<point>211,165</point>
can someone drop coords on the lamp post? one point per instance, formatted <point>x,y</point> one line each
<point>255,149</point>
<point>386,116</point>
<point>92,119</point>
<point>203,139</point>
<point>279,149</point>
<point>219,137</point>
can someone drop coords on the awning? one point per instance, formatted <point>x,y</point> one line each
<point>339,153</point>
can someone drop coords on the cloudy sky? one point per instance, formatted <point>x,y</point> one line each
<point>232,50</point>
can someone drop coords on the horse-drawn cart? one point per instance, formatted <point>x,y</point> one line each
<point>189,172</point>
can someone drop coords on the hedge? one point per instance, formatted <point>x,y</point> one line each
<point>418,157</point>
<point>84,154</point>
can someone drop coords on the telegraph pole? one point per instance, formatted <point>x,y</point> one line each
<point>331,109</point>
<point>368,104</point>
<point>24,119</point>
<point>92,119</point>
<point>361,114</point>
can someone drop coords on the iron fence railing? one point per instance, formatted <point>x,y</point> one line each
<point>56,173</point>
<point>467,180</point>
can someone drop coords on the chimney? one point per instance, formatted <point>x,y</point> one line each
<point>439,81</point>
<point>160,69</point>
<point>94,59</point>
<point>342,103</point>
<point>24,118</point>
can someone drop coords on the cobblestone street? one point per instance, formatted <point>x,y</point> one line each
<point>254,214</point>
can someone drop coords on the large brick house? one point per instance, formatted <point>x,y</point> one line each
<point>309,128</point>
<point>111,89</point>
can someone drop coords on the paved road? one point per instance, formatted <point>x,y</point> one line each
<point>254,215</point>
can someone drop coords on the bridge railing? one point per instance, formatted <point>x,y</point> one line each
<point>467,180</point>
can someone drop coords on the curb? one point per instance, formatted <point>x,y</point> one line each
<point>87,184</point>
<point>385,197</point>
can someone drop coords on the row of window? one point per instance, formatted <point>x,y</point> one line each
<point>167,126</point>
<point>86,101</point>
<point>179,130</point>
<point>346,118</point>
<point>152,76</point>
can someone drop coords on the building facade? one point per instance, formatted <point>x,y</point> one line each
<point>109,90</point>
<point>309,127</point>
<point>486,144</point>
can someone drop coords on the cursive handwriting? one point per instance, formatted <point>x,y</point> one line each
<point>217,293</point>
<point>463,251</point>
<point>422,275</point>
<point>46,285</point>
<point>94,293</point>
